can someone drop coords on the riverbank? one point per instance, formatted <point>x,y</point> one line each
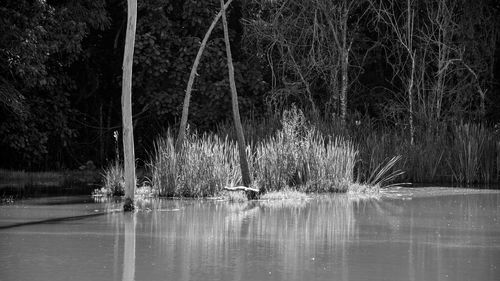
<point>48,178</point>
<point>21,184</point>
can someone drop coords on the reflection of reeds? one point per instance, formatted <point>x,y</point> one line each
<point>204,231</point>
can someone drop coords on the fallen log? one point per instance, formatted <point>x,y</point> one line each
<point>237,188</point>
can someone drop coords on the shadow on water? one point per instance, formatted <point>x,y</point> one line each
<point>52,220</point>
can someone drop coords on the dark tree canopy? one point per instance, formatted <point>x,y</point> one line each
<point>60,68</point>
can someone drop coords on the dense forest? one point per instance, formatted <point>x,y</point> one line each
<point>407,76</point>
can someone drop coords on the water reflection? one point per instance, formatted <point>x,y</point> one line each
<point>440,237</point>
<point>436,237</point>
<point>228,238</point>
<point>129,247</point>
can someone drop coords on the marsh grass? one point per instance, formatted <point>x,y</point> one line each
<point>285,194</point>
<point>322,156</point>
<point>234,196</point>
<point>202,168</point>
<point>299,156</point>
<point>464,154</point>
<point>360,188</point>
<point>296,156</point>
<point>475,154</point>
<point>385,174</point>
<point>113,180</point>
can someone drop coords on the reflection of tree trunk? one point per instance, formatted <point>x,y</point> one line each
<point>192,75</point>
<point>128,135</point>
<point>115,252</point>
<point>245,173</point>
<point>129,248</point>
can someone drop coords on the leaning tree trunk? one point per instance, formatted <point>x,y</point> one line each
<point>192,75</point>
<point>128,133</point>
<point>245,173</point>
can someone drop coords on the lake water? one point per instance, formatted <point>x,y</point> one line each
<point>406,234</point>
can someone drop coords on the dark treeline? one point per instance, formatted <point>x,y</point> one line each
<point>413,68</point>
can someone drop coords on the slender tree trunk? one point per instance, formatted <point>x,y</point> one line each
<point>411,53</point>
<point>410,99</point>
<point>192,75</point>
<point>128,133</point>
<point>108,124</point>
<point>443,20</point>
<point>245,173</point>
<point>440,84</point>
<point>101,138</point>
<point>333,105</point>
<point>345,63</point>
<point>306,84</point>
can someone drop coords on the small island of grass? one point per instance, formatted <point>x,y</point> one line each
<point>296,160</point>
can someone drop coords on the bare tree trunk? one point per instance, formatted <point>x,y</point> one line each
<point>410,99</point>
<point>192,75</point>
<point>440,80</point>
<point>409,37</point>
<point>443,21</point>
<point>101,137</point>
<point>333,105</point>
<point>345,63</point>
<point>303,80</point>
<point>404,35</point>
<point>245,173</point>
<point>128,134</point>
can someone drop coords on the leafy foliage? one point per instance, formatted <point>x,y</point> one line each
<point>39,41</point>
<point>168,38</point>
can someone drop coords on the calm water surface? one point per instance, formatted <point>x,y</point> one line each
<point>407,234</point>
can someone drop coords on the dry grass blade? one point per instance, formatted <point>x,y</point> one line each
<point>384,173</point>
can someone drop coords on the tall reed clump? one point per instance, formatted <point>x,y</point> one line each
<point>297,157</point>
<point>374,149</point>
<point>475,151</point>
<point>300,157</point>
<point>114,182</point>
<point>426,161</point>
<point>202,168</point>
